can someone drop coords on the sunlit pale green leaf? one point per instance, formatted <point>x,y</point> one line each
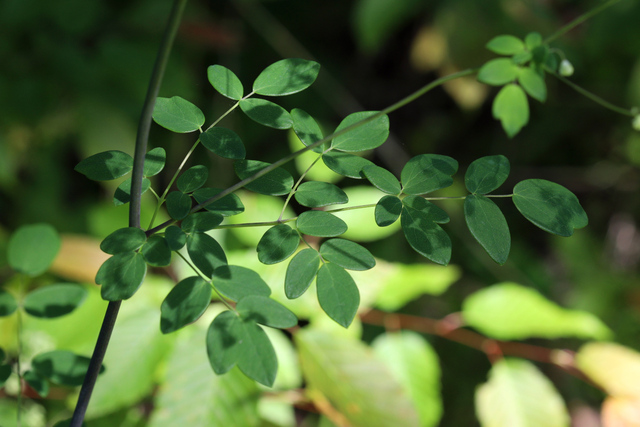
<point>511,108</point>
<point>62,367</point>
<point>612,366</point>
<point>338,294</point>
<point>388,210</point>
<point>498,72</point>
<point>509,311</point>
<point>266,113</point>
<point>192,179</point>
<point>32,248</point>
<point>225,82</point>
<point>274,183</point>
<point>345,164</point>
<point>177,114</point>
<point>427,172</point>
<point>307,129</point>
<point>123,240</point>
<point>505,45</point>
<point>532,83</point>
<point>121,276</point>
<point>178,204</point>
<point>175,237</point>
<point>8,304</point>
<point>154,161</point>
<point>235,282</point>
<point>105,166</point>
<point>321,224</point>
<point>486,174</point>
<point>186,302</point>
<point>382,179</point>
<point>518,394</point>
<point>489,226</point>
<point>36,382</point>
<point>364,137</point>
<point>228,205</point>
<point>205,252</point>
<point>347,254</point>
<point>533,40</point>
<point>301,271</point>
<point>201,221</point>
<point>122,194</point>
<point>315,194</point>
<point>425,236</point>
<point>156,252</point>
<point>223,142</point>
<point>277,244</point>
<point>286,76</point>
<point>266,311</point>
<point>54,300</point>
<point>550,206</point>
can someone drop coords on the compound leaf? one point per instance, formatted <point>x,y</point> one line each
<point>427,172</point>
<point>511,108</point>
<point>365,137</point>
<point>489,226</point>
<point>22,253</point>
<point>301,271</point>
<point>286,77</point>
<point>382,179</point>
<point>223,142</point>
<point>388,210</point>
<point>228,205</point>
<point>154,161</point>
<point>121,276</point>
<point>486,174</point>
<point>125,239</point>
<point>186,302</point>
<point>307,129</point>
<point>225,82</point>
<point>338,294</point>
<point>277,244</point>
<point>156,251</point>
<point>192,179</point>
<point>178,205</point>
<point>321,224</point>
<point>266,311</point>
<point>54,300</point>
<point>498,72</point>
<point>274,183</point>
<point>62,367</point>
<point>505,45</point>
<point>316,194</point>
<point>266,113</point>
<point>177,115</point>
<point>347,254</point>
<point>205,252</point>
<point>345,164</point>
<point>105,166</point>
<point>235,282</point>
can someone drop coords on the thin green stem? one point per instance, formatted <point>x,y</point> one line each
<point>257,224</point>
<point>295,187</point>
<point>579,20</point>
<point>595,98</point>
<point>193,267</point>
<point>351,208</point>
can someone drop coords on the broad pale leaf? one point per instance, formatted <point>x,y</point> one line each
<point>121,276</point>
<point>345,164</point>
<point>307,129</point>
<point>177,115</point>
<point>235,282</point>
<point>388,210</point>
<point>489,226</point>
<point>192,179</point>
<point>315,194</point>
<point>321,224</point>
<point>486,174</point>
<point>498,72</point>
<point>532,83</point>
<point>62,367</point>
<point>228,205</point>
<point>122,194</point>
<point>365,137</point>
<point>277,244</point>
<point>338,294</point>
<point>223,142</point>
<point>154,161</point>
<point>266,311</point>
<point>205,252</point>
<point>286,77</point>
<point>301,271</point>
<point>382,179</point>
<point>8,304</point>
<point>427,172</point>
<point>266,113</point>
<point>225,82</point>
<point>347,254</point>
<point>156,252</point>
<point>612,366</point>
<point>277,182</point>
<point>512,109</point>
<point>105,166</point>
<point>32,248</point>
<point>123,240</point>
<point>505,45</point>
<point>178,205</point>
<point>186,302</point>
<point>199,222</point>
<point>54,300</point>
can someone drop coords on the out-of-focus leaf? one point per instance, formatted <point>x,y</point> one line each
<point>613,367</point>
<point>32,248</point>
<point>36,382</point>
<point>62,367</point>
<point>505,45</point>
<point>54,300</point>
<point>498,72</point>
<point>532,83</point>
<point>511,108</point>
<point>618,411</point>
<point>375,20</point>
<point>8,303</point>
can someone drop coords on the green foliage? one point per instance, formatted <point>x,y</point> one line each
<point>306,128</point>
<point>345,164</point>
<point>21,254</point>
<point>300,273</point>
<point>276,182</point>
<point>122,195</point>
<point>337,293</point>
<point>286,77</point>
<point>266,113</point>
<point>427,173</point>
<point>321,224</point>
<point>177,115</point>
<point>54,300</point>
<point>277,244</point>
<point>347,254</point>
<point>192,179</point>
<point>511,108</point>
<point>223,142</point>
<point>106,166</point>
<point>121,275</point>
<point>486,174</point>
<point>489,226</point>
<point>315,194</point>
<point>225,82</point>
<point>123,240</point>
<point>178,204</point>
<point>61,367</point>
<point>205,252</point>
<point>236,282</point>
<point>363,138</point>
<point>8,303</point>
<point>154,161</point>
<point>186,302</point>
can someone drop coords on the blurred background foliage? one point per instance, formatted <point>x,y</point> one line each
<point>74,75</point>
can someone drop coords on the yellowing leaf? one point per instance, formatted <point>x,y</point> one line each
<point>612,366</point>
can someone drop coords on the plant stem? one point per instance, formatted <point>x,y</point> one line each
<point>579,20</point>
<point>134,210</point>
<point>594,97</point>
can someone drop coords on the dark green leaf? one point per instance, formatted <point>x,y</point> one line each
<point>257,358</point>
<point>36,382</point>
<point>382,179</point>
<point>427,172</point>
<point>277,244</point>
<point>178,205</point>
<point>533,84</point>
<point>511,108</point>
<point>154,161</point>
<point>274,183</point>
<point>228,205</point>
<point>498,72</point>
<point>266,113</point>
<point>175,237</point>
<point>539,54</point>
<point>156,252</point>
<point>205,252</point>
<point>347,254</point>
<point>225,82</point>
<point>3,355</point>
<point>54,300</point>
<point>5,373</point>
<point>286,76</point>
<point>121,276</point>
<point>265,311</point>
<point>105,166</point>
<point>235,282</point>
<point>224,336</point>
<point>388,210</point>
<point>192,179</point>
<point>122,195</point>
<point>177,114</point>
<point>345,164</point>
<point>505,45</point>
<point>486,174</point>
<point>307,129</point>
<point>321,224</point>
<point>123,240</point>
<point>201,221</point>
<point>316,194</point>
<point>489,227</point>
<point>550,206</point>
<point>301,271</point>
<point>223,142</point>
<point>186,302</point>
<point>365,137</point>
<point>62,367</point>
<point>337,294</point>
<point>8,304</point>
<point>426,209</point>
<point>425,236</point>
<point>32,248</point>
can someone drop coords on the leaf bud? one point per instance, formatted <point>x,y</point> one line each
<point>566,68</point>
<point>636,122</point>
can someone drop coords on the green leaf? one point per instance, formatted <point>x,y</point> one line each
<point>321,224</point>
<point>62,367</point>
<point>205,252</point>
<point>192,179</point>
<point>278,244</point>
<point>511,108</point>
<point>5,373</point>
<point>156,252</point>
<point>508,311</point>
<point>307,129</point>
<point>266,113</point>
<point>505,45</point>
<point>224,338</point>
<point>533,40</point>
<point>175,237</point>
<point>316,194</point>
<point>277,182</point>
<point>426,208</point>
<point>498,72</point>
<point>345,164</point>
<point>32,248</point>
<point>388,210</point>
<point>225,82</point>
<point>54,300</point>
<point>522,57</point>
<point>347,254</point>
<point>121,276</point>
<point>612,366</point>
<point>486,174</point>
<point>122,195</point>
<point>123,240</point>
<point>414,363</point>
<point>489,226</point>
<point>338,294</point>
<point>8,304</point>
<point>257,358</point>
<point>105,166</point>
<point>36,382</point>
<point>427,172</point>
<point>550,206</point>
<point>266,311</point>
<point>365,137</point>
<point>425,236</point>
<point>286,76</point>
<point>539,55</point>
<point>177,115</point>
<point>186,302</point>
<point>201,221</point>
<point>382,179</point>
<point>518,394</point>
<point>533,84</point>
<point>235,282</point>
<point>223,142</point>
<point>301,271</point>
<point>178,205</point>
<point>228,205</point>
<point>154,161</point>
